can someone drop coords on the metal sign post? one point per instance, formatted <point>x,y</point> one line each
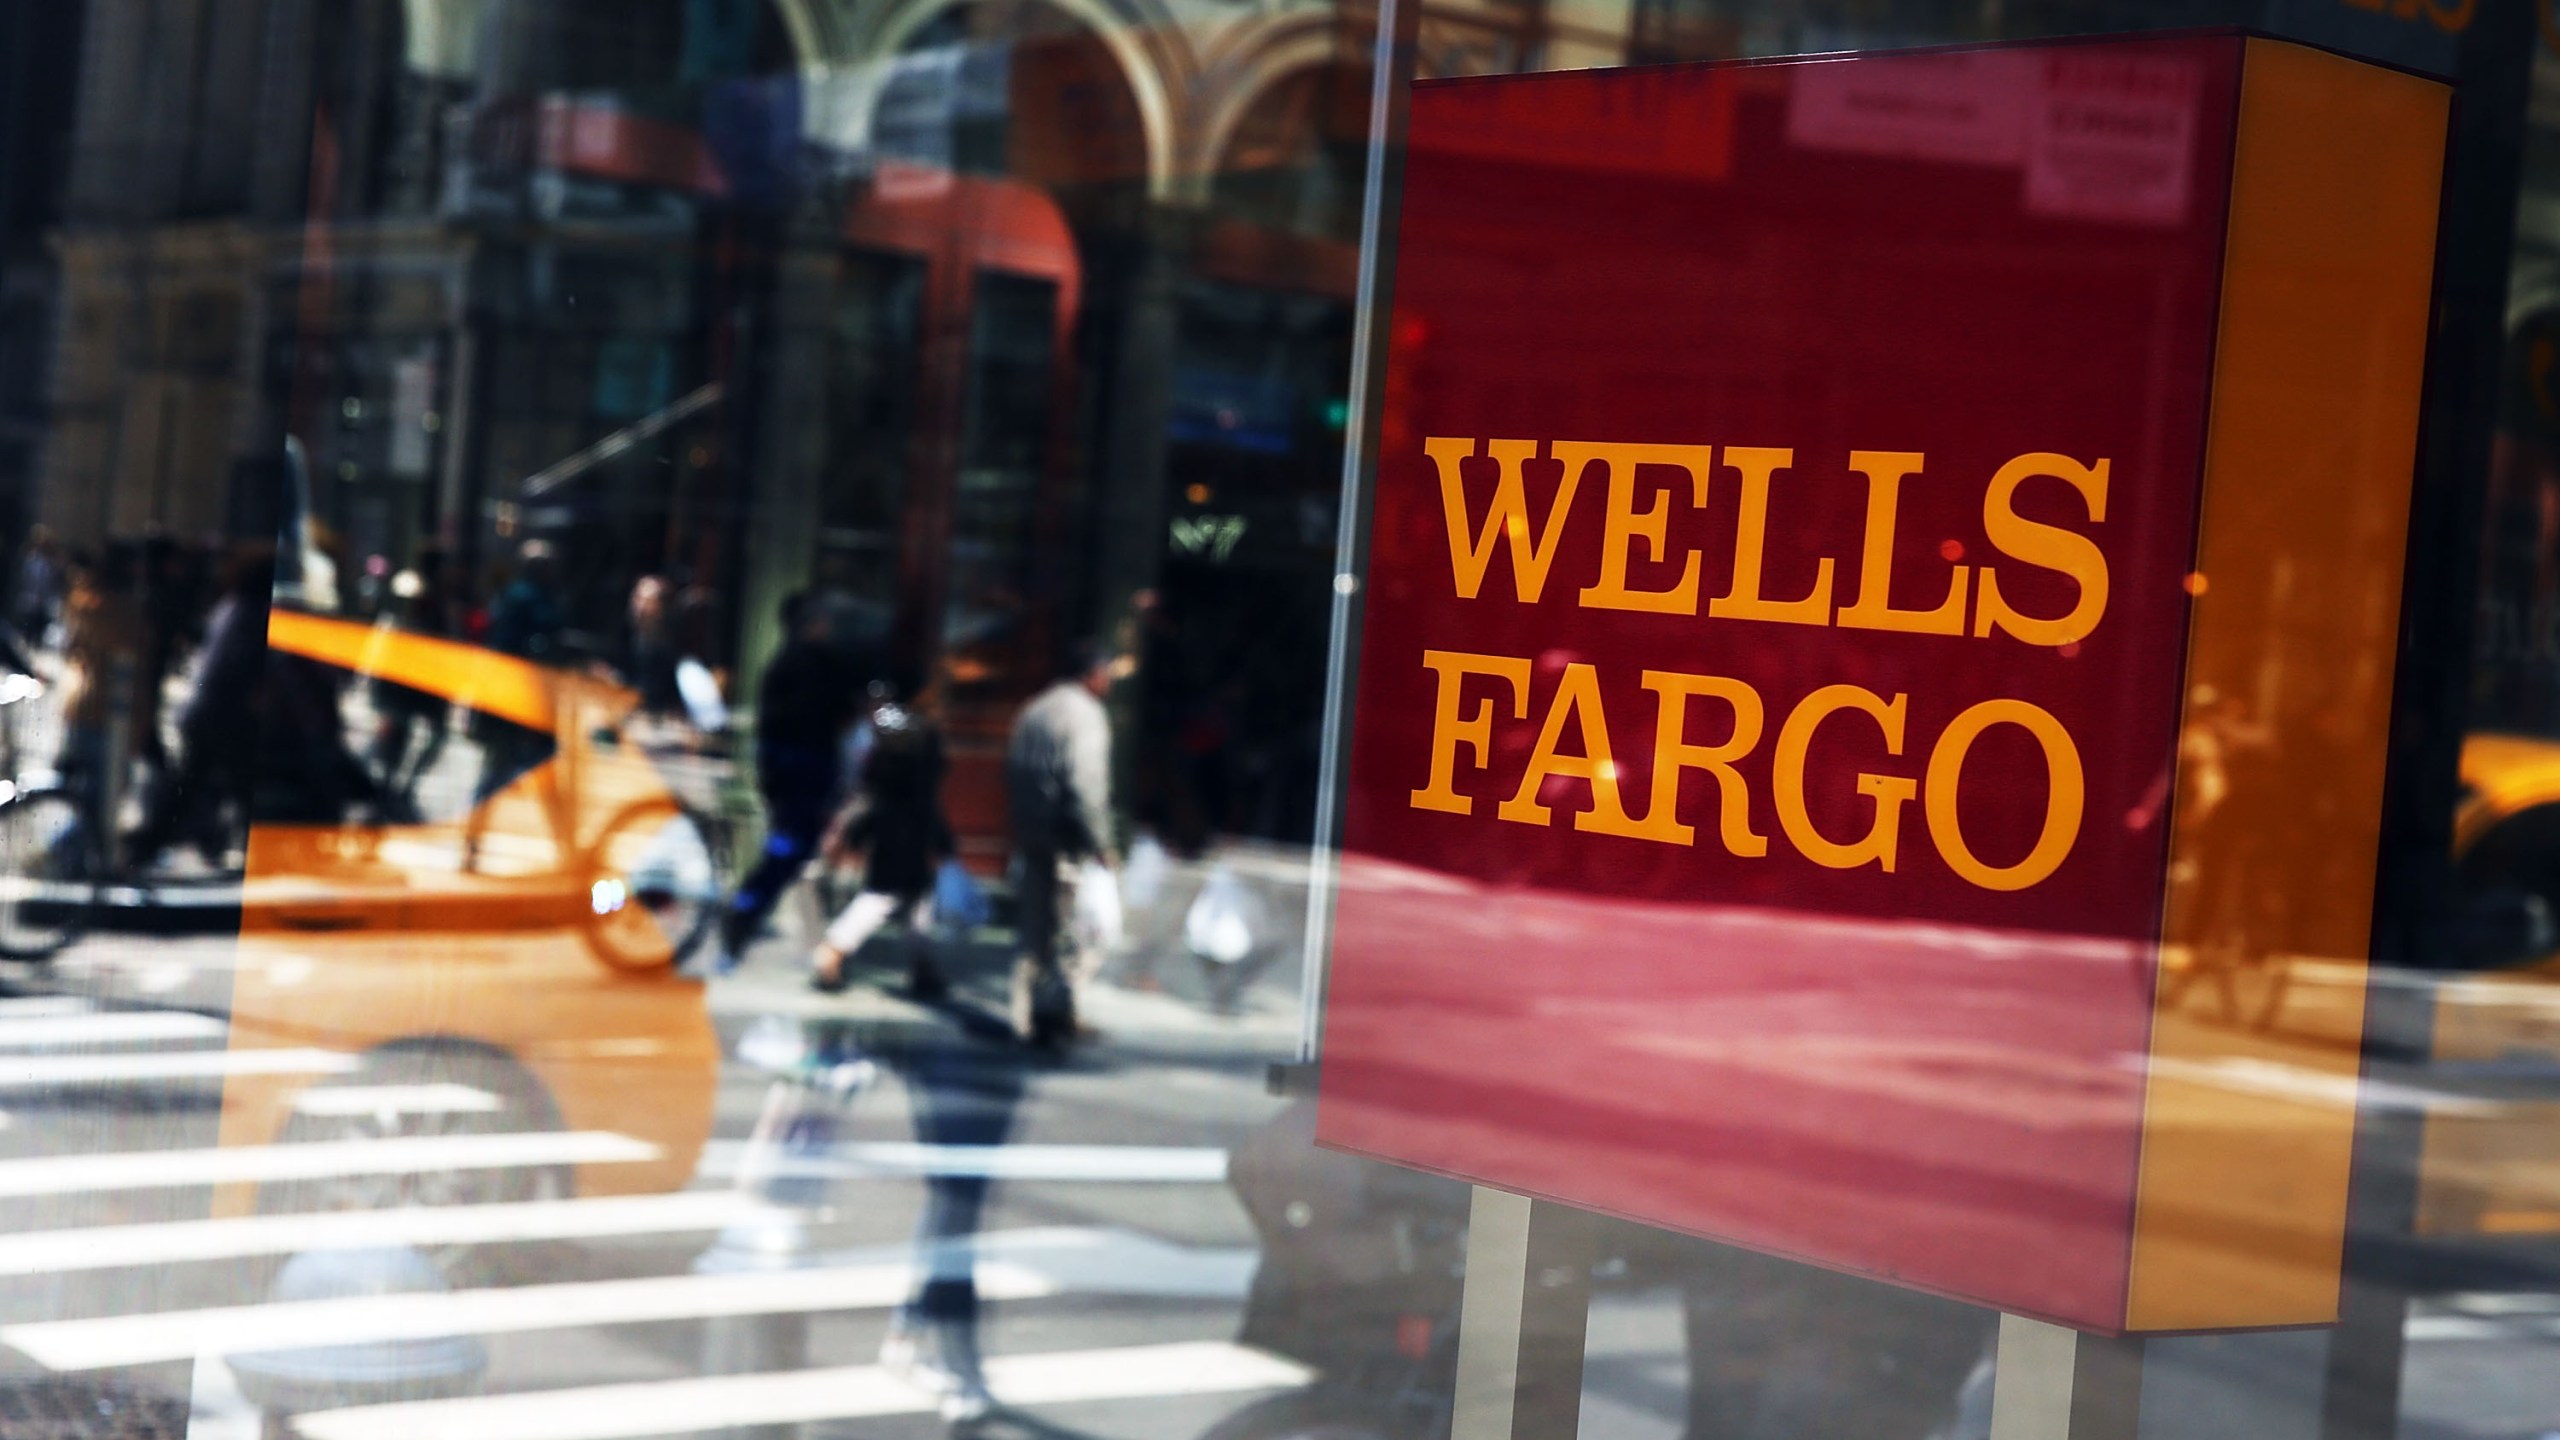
<point>2058,1384</point>
<point>1521,1327</point>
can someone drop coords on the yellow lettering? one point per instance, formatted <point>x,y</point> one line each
<point>1449,730</point>
<point>1508,518</point>
<point>2051,547</point>
<point>2065,794</point>
<point>1750,544</point>
<point>1890,792</point>
<point>1885,471</point>
<point>1672,753</point>
<point>1577,698</point>
<point>1625,524</point>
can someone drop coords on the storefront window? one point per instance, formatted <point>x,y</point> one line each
<point>822,718</point>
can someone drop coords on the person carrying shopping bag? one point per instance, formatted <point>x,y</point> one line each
<point>1058,790</point>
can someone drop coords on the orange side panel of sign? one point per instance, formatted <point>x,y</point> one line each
<point>2249,1108</point>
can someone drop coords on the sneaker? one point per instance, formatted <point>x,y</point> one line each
<point>967,1405</point>
<point>965,1399</point>
<point>900,1357</point>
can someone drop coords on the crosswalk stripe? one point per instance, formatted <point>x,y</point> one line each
<point>2454,1329</point>
<point>31,1072</point>
<point>436,1097</point>
<point>112,1027</point>
<point>17,1005</point>
<point>1155,1164</point>
<point>318,1159</point>
<point>114,1340</point>
<point>106,1247</point>
<point>625,1412</point>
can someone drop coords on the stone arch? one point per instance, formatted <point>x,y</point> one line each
<point>1143,68</point>
<point>442,37</point>
<point>1268,55</point>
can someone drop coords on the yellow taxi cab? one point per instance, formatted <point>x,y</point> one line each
<point>2483,1069</point>
<point>505,962</point>
<point>2491,1163</point>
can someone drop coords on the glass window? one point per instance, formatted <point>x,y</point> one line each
<point>765,717</point>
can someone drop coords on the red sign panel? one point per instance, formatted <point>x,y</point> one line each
<point>1779,675</point>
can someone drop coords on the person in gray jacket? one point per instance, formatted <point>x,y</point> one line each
<point>1057,774</point>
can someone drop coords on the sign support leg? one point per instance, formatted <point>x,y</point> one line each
<point>2058,1384</point>
<point>1521,1324</point>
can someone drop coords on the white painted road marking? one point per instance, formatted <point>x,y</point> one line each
<point>107,1247</point>
<point>401,1155</point>
<point>1009,1265</point>
<point>244,1329</point>
<point>1144,1164</point>
<point>2447,1329</point>
<point>625,1412</point>
<point>16,1005</point>
<point>30,1072</point>
<point>441,1097</point>
<point>108,1027</point>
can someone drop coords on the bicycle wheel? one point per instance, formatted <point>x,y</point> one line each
<point>653,890</point>
<point>50,860</point>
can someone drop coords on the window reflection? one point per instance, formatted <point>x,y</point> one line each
<point>439,423</point>
<point>416,422</point>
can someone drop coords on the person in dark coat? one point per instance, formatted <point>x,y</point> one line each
<point>413,725</point>
<point>809,698</point>
<point>220,722</point>
<point>525,621</point>
<point>896,823</point>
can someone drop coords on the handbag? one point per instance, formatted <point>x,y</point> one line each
<point>959,901</point>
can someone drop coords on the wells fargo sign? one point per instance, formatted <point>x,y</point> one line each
<point>1862,643</point>
<point>1575,712</point>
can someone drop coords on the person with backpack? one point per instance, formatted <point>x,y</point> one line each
<point>896,822</point>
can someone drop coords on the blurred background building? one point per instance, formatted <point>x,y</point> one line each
<point>996,321</point>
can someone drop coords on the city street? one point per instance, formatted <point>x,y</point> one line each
<point>1114,1257</point>
<point>1112,1247</point>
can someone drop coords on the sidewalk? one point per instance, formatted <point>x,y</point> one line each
<point>1174,1019</point>
<point>1152,993</point>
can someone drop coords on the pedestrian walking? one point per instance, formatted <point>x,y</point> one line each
<point>810,696</point>
<point>650,660</point>
<point>896,822</point>
<point>1058,789</point>
<point>412,725</point>
<point>219,734</point>
<point>104,628</point>
<point>964,1094</point>
<point>525,620</point>
<point>38,594</point>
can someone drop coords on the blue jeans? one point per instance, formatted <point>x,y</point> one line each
<point>963,1094</point>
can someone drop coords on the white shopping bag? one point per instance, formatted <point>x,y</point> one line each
<point>1143,874</point>
<point>1226,921</point>
<point>1098,919</point>
<point>701,694</point>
